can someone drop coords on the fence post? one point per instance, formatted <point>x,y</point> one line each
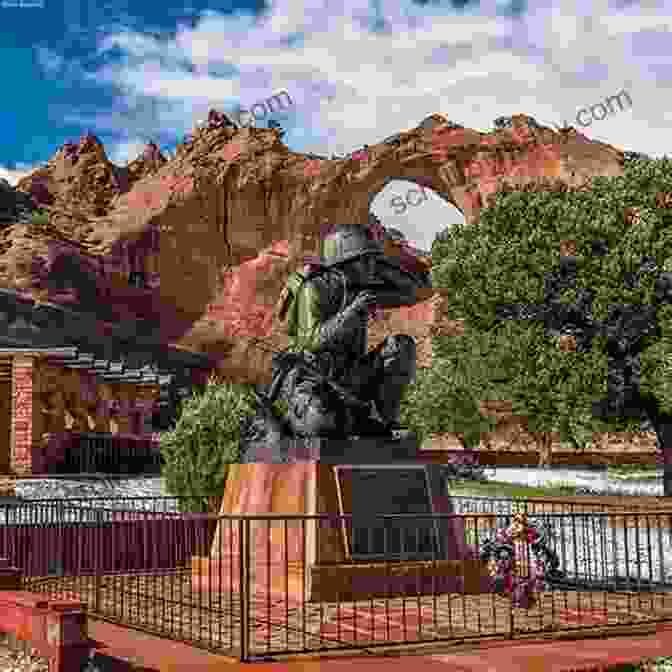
<point>11,578</point>
<point>244,587</point>
<point>96,594</point>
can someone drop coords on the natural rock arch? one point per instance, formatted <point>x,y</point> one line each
<point>432,207</point>
<point>236,210</point>
<point>360,194</point>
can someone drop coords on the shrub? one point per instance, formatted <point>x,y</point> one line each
<point>441,401</point>
<point>205,440</point>
<point>39,218</point>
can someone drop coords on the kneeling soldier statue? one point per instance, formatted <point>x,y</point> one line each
<point>332,386</point>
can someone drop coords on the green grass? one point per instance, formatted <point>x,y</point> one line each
<point>642,470</point>
<point>662,664</point>
<point>629,468</point>
<point>498,489</point>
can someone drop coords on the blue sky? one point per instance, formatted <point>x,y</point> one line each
<point>356,71</point>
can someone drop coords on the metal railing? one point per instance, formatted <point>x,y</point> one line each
<point>247,585</point>
<point>108,454</point>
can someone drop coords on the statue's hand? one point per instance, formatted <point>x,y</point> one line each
<point>365,299</point>
<point>394,299</point>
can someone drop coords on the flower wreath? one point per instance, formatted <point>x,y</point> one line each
<point>500,554</point>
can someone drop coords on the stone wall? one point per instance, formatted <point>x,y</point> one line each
<point>48,400</point>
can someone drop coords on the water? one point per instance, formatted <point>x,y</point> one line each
<point>596,481</point>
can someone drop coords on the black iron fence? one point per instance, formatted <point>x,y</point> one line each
<point>88,452</point>
<point>267,586</point>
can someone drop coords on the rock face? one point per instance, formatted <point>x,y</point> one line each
<point>14,205</point>
<point>79,184</point>
<point>149,161</point>
<point>202,242</point>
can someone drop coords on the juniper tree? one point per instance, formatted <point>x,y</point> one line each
<point>565,293</point>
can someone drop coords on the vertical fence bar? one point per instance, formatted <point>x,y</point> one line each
<point>138,537</point>
<point>243,570</point>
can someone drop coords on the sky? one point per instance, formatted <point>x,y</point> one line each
<point>356,73</point>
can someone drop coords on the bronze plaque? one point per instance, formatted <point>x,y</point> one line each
<point>368,493</point>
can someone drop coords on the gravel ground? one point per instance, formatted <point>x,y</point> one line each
<point>17,661</point>
<point>48,488</point>
<point>20,661</point>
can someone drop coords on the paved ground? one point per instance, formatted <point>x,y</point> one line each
<point>172,608</point>
<point>132,651</point>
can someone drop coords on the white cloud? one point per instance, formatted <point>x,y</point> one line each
<point>474,66</point>
<point>13,175</point>
<point>126,151</point>
<point>420,214</point>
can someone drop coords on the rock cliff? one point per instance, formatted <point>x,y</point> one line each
<point>200,244</point>
<point>210,234</point>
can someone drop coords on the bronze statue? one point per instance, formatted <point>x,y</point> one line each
<point>332,386</point>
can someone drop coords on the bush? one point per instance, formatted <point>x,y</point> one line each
<point>440,401</point>
<point>39,218</point>
<point>205,440</point>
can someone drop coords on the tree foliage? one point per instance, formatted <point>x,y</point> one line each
<point>504,258</point>
<point>39,218</point>
<point>444,399</point>
<point>204,441</point>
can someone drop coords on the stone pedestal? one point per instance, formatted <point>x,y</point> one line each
<point>311,561</point>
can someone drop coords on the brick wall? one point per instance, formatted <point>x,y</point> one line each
<point>22,414</point>
<point>5,425</point>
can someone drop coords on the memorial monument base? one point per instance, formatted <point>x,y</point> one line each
<point>327,560</point>
<point>343,582</point>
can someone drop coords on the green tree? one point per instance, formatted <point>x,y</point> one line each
<point>504,258</point>
<point>205,440</point>
<point>444,399</point>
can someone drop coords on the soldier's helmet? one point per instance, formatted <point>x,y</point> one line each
<point>348,241</point>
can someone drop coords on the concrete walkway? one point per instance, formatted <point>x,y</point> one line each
<point>124,650</point>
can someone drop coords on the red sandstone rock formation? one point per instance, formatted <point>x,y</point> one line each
<point>148,163</point>
<point>217,228</point>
